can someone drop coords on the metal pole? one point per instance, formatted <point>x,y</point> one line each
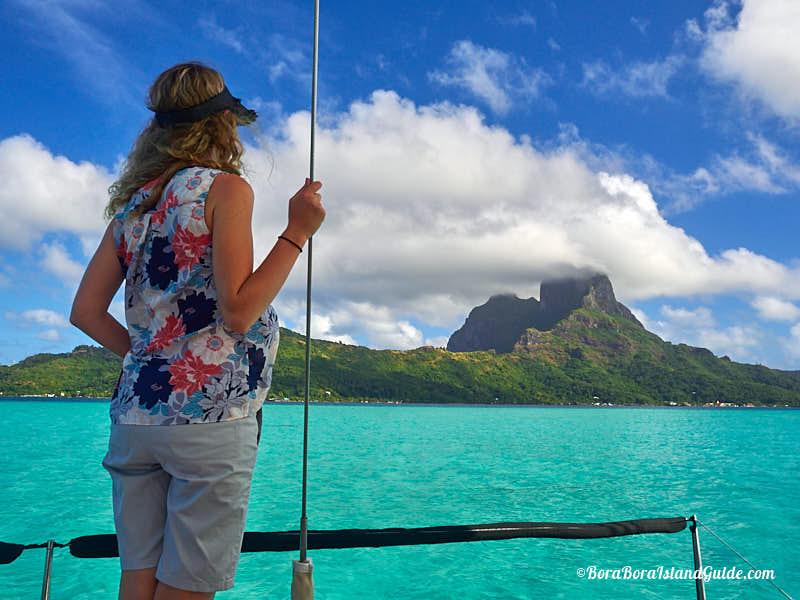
<point>47,562</point>
<point>699,582</point>
<point>303,520</point>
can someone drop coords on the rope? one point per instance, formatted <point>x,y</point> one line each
<point>44,545</point>
<point>752,566</point>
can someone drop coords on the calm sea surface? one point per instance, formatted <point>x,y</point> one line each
<point>415,466</point>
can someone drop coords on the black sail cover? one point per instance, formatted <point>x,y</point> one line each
<point>104,546</point>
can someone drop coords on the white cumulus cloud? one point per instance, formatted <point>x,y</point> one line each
<point>378,324</point>
<point>700,317</point>
<point>771,308</point>
<point>451,211</point>
<point>49,335</point>
<point>40,316</point>
<point>736,341</point>
<point>57,261</point>
<point>792,343</point>
<point>757,50</point>
<point>698,327</point>
<point>42,192</point>
<point>430,211</point>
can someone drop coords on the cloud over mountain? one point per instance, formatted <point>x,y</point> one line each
<point>430,210</point>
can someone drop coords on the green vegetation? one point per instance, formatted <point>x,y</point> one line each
<point>588,357</point>
<point>87,371</point>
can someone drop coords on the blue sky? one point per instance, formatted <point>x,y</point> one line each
<point>466,149</point>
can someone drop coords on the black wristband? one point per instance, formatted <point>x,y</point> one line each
<point>280,237</point>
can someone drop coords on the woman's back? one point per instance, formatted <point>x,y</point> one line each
<point>184,365</point>
<point>201,336</point>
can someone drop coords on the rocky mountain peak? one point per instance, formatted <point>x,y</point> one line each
<point>559,297</point>
<point>500,323</point>
<point>495,325</point>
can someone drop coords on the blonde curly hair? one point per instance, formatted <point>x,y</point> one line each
<point>160,152</point>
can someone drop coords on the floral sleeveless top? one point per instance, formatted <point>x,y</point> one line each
<point>184,365</point>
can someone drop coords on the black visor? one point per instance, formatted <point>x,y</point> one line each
<point>213,105</point>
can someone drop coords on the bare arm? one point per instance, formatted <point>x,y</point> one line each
<point>90,307</point>
<point>244,294</point>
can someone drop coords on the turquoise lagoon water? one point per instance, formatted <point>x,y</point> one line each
<point>414,466</point>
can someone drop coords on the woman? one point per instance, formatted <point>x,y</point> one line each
<point>201,339</point>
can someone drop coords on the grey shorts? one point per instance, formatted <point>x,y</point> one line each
<point>180,498</point>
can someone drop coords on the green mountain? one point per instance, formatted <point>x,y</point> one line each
<point>596,352</point>
<point>86,371</point>
<point>588,357</point>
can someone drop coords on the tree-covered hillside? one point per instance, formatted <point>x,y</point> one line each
<point>589,357</point>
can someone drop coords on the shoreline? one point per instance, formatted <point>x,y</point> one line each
<point>32,398</point>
